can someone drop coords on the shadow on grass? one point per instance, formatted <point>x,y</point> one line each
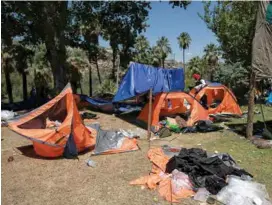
<point>257,127</point>
<point>29,151</point>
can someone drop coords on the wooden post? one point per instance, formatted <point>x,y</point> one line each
<point>149,116</point>
<point>250,113</point>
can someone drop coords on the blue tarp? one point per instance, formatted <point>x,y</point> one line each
<point>140,78</point>
<point>213,84</point>
<point>100,104</point>
<point>269,100</point>
<point>108,106</point>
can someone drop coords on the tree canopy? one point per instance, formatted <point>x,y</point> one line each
<point>233,23</point>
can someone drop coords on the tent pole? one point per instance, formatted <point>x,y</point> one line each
<point>250,114</point>
<point>149,116</point>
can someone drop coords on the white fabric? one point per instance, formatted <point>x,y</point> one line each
<point>198,87</point>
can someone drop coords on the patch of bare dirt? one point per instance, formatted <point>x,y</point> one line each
<point>29,179</point>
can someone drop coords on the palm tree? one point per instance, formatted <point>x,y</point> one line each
<point>195,65</point>
<point>184,41</point>
<point>142,50</point>
<point>163,48</point>
<point>211,55</point>
<point>155,56</point>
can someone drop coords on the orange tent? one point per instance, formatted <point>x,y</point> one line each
<point>218,92</point>
<point>69,138</point>
<point>166,104</point>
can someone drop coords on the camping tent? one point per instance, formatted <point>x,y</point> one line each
<point>140,78</point>
<point>216,92</point>
<point>166,104</point>
<point>67,139</point>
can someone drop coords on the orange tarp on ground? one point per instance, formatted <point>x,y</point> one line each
<point>218,92</point>
<point>160,107</point>
<point>71,136</point>
<point>159,179</point>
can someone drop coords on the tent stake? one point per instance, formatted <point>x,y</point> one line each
<point>149,116</point>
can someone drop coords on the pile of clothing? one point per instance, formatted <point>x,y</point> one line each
<point>181,173</point>
<point>203,171</point>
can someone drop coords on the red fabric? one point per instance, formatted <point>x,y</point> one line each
<point>196,76</point>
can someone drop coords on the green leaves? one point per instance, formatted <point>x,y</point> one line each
<point>181,4</point>
<point>233,22</point>
<point>162,49</point>
<point>184,40</point>
<point>142,52</point>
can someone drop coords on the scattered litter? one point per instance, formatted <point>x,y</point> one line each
<point>52,124</point>
<point>216,152</point>
<point>88,115</point>
<point>199,144</point>
<point>262,143</point>
<point>180,181</point>
<point>153,138</point>
<point>91,163</point>
<point>10,159</point>
<point>164,132</point>
<point>204,171</point>
<point>109,142</point>
<point>7,115</point>
<point>170,151</point>
<point>240,192</point>
<point>161,180</point>
<point>135,133</point>
<point>211,200</point>
<point>202,195</point>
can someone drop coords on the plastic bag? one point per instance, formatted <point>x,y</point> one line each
<point>202,195</point>
<point>137,132</point>
<point>7,115</point>
<point>180,181</point>
<point>239,192</point>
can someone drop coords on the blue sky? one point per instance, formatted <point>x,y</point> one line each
<point>170,22</point>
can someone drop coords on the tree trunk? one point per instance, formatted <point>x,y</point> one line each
<point>163,63</point>
<point>90,81</point>
<point>117,76</point>
<point>113,64</point>
<point>24,78</point>
<point>184,62</point>
<point>250,114</point>
<point>55,42</point>
<point>8,85</point>
<point>211,74</point>
<point>98,72</point>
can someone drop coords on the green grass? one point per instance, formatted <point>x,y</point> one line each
<point>257,117</point>
<point>256,161</point>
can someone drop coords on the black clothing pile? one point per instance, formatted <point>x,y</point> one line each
<point>204,171</point>
<point>87,115</point>
<point>202,126</point>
